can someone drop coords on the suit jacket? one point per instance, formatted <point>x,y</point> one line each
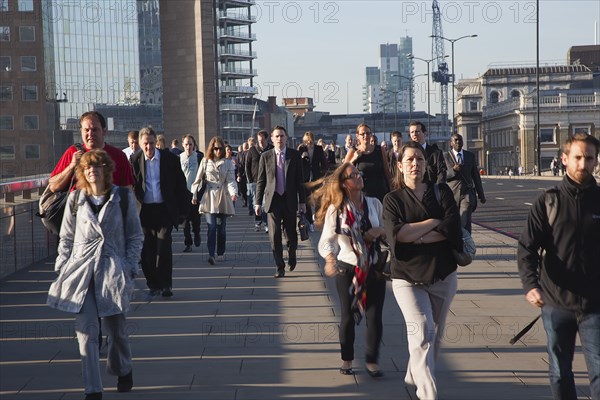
<point>176,196</point>
<point>392,162</point>
<point>467,179</point>
<point>436,166</point>
<point>266,180</point>
<point>317,167</point>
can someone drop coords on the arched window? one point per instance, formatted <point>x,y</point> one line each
<point>494,97</point>
<point>515,94</point>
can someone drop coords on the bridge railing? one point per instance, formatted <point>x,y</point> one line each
<point>23,240</point>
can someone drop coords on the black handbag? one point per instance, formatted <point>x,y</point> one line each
<point>303,226</point>
<point>51,209</point>
<point>383,265</point>
<point>52,204</point>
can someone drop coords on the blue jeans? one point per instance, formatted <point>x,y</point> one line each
<point>216,224</point>
<point>561,328</point>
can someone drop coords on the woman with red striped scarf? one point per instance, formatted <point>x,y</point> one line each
<point>352,223</point>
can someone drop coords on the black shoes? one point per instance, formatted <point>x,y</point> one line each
<point>346,371</point>
<point>197,239</point>
<point>125,383</point>
<point>154,292</point>
<point>167,292</point>
<point>374,374</point>
<point>292,262</point>
<point>280,273</point>
<point>188,249</point>
<point>93,396</point>
<point>211,260</point>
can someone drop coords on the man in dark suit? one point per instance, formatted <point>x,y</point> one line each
<point>160,187</point>
<point>314,166</point>
<point>396,138</point>
<point>436,167</point>
<point>280,179</point>
<point>464,180</point>
<point>343,150</point>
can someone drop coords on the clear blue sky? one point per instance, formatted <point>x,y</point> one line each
<point>320,49</point>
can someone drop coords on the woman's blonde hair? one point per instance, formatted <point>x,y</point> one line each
<point>216,141</point>
<point>96,158</point>
<point>330,191</point>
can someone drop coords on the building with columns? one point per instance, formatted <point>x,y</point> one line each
<point>497,114</point>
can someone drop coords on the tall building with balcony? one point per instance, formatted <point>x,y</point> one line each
<point>235,58</point>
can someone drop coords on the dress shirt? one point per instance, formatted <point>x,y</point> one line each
<point>153,193</point>
<point>460,160</point>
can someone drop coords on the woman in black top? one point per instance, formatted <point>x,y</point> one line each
<point>369,160</point>
<point>423,227</point>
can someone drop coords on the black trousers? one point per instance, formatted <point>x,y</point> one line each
<point>157,252</point>
<point>191,224</point>
<point>280,214</point>
<point>373,315</point>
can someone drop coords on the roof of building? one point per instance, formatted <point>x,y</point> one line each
<point>553,69</point>
<point>471,90</point>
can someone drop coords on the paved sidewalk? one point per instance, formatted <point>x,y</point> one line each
<point>232,331</point>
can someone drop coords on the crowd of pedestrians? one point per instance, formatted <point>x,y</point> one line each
<point>406,204</point>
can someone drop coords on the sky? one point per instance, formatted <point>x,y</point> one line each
<point>320,49</point>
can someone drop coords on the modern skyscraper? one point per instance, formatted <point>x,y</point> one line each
<point>390,92</point>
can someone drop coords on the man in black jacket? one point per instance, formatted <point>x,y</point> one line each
<point>564,222</point>
<point>436,166</point>
<point>251,166</point>
<point>161,188</point>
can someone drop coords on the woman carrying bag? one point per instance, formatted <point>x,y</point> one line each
<point>98,255</point>
<point>217,174</point>
<point>351,225</point>
<point>422,233</point>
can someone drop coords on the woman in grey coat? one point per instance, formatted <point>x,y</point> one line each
<point>98,255</point>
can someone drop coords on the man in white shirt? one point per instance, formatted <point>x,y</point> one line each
<point>132,139</point>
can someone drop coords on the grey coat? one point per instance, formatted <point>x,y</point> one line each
<point>97,247</point>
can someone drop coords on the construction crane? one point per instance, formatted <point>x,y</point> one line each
<point>440,67</point>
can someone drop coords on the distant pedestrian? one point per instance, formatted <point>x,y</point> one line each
<point>132,140</point>
<point>314,166</point>
<point>520,170</point>
<point>161,189</point>
<point>97,262</point>
<point>463,179</point>
<point>218,173</point>
<point>252,165</point>
<point>175,147</point>
<point>190,162</point>
<point>392,153</point>
<point>422,231</point>
<point>372,162</point>
<point>436,166</point>
<point>352,223</point>
<point>281,181</point>
<point>558,255</point>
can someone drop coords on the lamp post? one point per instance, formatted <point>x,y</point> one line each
<point>383,113</point>
<point>453,76</point>
<point>395,93</point>
<point>410,91</point>
<point>411,56</point>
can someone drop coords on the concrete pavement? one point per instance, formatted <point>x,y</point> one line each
<point>232,331</point>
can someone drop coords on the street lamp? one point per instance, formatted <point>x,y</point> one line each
<point>453,76</point>
<point>395,93</point>
<point>410,92</point>
<point>383,113</point>
<point>410,56</point>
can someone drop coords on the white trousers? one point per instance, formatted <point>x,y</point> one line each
<point>424,308</point>
<point>119,352</point>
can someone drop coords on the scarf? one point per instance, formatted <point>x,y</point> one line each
<point>352,223</point>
